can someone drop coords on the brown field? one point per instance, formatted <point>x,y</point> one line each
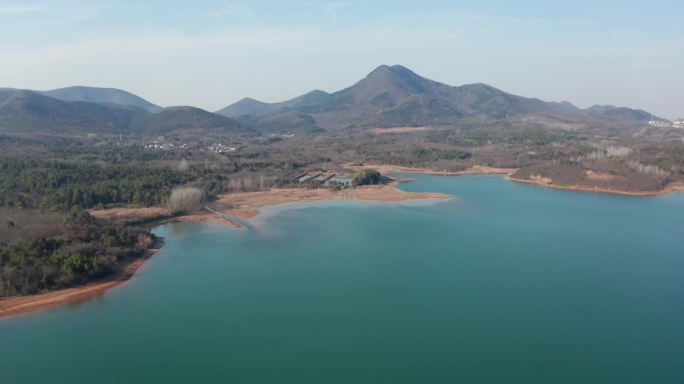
<point>386,169</point>
<point>130,213</point>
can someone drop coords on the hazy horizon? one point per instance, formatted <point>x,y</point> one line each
<point>212,54</point>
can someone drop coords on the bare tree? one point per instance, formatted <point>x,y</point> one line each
<point>183,165</point>
<point>185,199</point>
<point>647,169</point>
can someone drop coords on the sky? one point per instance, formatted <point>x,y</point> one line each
<point>212,53</point>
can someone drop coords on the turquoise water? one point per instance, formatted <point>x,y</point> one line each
<point>505,283</point>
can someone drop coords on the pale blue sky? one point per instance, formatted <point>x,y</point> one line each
<point>212,53</point>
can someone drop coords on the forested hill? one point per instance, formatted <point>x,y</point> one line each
<point>111,96</point>
<point>394,96</point>
<point>28,111</point>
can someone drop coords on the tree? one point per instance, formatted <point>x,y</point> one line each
<point>185,199</point>
<point>10,224</point>
<point>183,165</point>
<point>366,177</point>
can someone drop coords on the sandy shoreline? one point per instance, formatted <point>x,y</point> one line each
<point>246,205</point>
<point>676,187</point>
<point>18,305</point>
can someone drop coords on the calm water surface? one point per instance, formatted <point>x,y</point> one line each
<point>506,283</point>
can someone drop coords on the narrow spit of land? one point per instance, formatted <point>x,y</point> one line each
<point>246,205</point>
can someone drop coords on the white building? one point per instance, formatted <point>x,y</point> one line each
<point>658,123</point>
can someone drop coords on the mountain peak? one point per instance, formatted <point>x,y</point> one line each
<point>386,78</point>
<point>316,92</point>
<point>250,100</point>
<point>394,70</point>
<point>380,70</point>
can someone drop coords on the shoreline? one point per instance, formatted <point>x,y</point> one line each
<point>208,217</point>
<point>672,188</point>
<point>509,172</point>
<point>20,305</point>
<point>250,202</point>
<point>247,205</point>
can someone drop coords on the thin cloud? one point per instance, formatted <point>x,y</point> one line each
<point>13,9</point>
<point>60,15</point>
<point>330,8</point>
<point>233,10</point>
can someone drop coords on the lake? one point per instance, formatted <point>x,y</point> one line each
<point>504,283</point>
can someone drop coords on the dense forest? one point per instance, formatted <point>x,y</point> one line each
<point>78,251</point>
<point>60,185</point>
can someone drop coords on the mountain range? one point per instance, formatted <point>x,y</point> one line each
<point>389,96</point>
<point>395,96</point>
<point>114,112</point>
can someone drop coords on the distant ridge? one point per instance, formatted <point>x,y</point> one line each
<point>183,118</point>
<point>101,96</point>
<point>249,106</point>
<point>621,112</point>
<point>30,111</point>
<point>389,96</point>
<point>396,96</point>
